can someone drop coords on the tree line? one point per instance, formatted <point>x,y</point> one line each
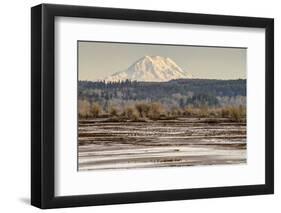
<point>180,93</point>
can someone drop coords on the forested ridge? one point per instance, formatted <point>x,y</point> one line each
<point>181,92</point>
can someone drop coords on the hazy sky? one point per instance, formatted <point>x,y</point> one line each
<point>98,60</point>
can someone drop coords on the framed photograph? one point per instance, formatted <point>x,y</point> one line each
<point>139,106</point>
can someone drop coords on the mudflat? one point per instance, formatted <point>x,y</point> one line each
<point>103,144</point>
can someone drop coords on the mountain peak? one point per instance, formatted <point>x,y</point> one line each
<point>151,68</point>
<point>154,58</point>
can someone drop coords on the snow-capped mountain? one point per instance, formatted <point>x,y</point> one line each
<point>151,68</point>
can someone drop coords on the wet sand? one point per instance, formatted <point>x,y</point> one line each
<point>180,142</point>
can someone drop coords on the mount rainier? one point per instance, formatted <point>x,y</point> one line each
<point>151,68</point>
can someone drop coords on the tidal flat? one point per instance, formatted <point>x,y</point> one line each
<point>103,144</point>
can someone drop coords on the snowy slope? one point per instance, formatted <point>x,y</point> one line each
<point>151,68</point>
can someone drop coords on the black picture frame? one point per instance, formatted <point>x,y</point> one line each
<point>43,102</point>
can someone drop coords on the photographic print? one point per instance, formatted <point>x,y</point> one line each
<point>132,106</point>
<point>155,105</point>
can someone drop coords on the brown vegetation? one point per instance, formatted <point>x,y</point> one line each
<point>131,113</point>
<point>144,111</point>
<point>95,110</point>
<point>113,111</point>
<point>84,108</point>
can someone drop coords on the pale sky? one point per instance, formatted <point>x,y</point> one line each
<point>97,60</point>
